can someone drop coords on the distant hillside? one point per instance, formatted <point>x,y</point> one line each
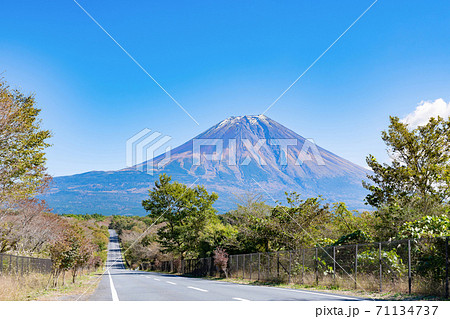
<point>122,191</point>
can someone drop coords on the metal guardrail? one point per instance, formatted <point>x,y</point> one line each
<point>20,265</point>
<point>405,266</point>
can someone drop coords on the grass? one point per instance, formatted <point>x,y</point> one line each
<point>334,289</point>
<point>21,287</point>
<point>34,286</point>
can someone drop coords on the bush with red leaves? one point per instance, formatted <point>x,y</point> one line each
<point>221,260</point>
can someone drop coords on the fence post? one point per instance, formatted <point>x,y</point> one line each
<point>381,266</point>
<point>409,267</point>
<point>251,261</point>
<point>303,264</point>
<point>243,267</point>
<point>237,266</point>
<point>1,264</point>
<point>10,264</point>
<point>446,267</point>
<point>278,265</point>
<point>212,269</point>
<point>290,267</point>
<point>356,266</point>
<point>268,265</point>
<point>259,266</point>
<point>317,267</point>
<point>334,263</point>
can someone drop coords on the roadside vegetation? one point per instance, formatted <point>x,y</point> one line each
<point>27,226</point>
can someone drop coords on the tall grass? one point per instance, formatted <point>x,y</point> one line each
<point>22,287</point>
<point>32,285</point>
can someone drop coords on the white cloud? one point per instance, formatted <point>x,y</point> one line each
<point>425,110</point>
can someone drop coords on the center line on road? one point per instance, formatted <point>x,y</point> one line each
<point>199,289</point>
<point>240,299</point>
<point>170,282</point>
<point>156,279</point>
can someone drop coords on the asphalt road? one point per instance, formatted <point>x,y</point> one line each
<point>119,283</point>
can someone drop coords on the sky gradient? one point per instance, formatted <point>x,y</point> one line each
<point>220,59</point>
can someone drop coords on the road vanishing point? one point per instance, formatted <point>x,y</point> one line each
<point>119,283</point>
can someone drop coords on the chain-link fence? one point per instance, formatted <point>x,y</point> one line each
<point>20,265</point>
<point>406,266</point>
<point>201,267</point>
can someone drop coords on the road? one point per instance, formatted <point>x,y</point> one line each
<point>119,283</point>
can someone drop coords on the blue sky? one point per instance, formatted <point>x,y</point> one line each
<point>219,59</point>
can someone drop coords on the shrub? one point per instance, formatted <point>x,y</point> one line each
<point>368,261</point>
<point>221,260</point>
<point>426,227</point>
<point>428,249</point>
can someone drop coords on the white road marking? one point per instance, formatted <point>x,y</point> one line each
<point>317,293</point>
<point>298,291</point>
<point>156,279</point>
<point>199,289</point>
<point>170,282</point>
<point>240,299</point>
<point>113,290</point>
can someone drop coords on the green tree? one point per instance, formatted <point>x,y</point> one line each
<point>217,234</point>
<point>417,182</point>
<point>301,223</point>
<point>345,222</point>
<point>343,219</point>
<point>420,164</point>
<point>70,251</point>
<point>184,212</point>
<point>251,219</point>
<point>22,144</point>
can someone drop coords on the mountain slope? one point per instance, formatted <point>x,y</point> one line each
<point>250,157</point>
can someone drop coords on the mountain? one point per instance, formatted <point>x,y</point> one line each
<point>240,154</point>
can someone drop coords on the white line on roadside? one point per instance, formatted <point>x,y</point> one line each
<point>156,279</point>
<point>317,293</point>
<point>113,290</point>
<point>331,295</point>
<point>240,299</point>
<point>170,282</point>
<point>199,289</point>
